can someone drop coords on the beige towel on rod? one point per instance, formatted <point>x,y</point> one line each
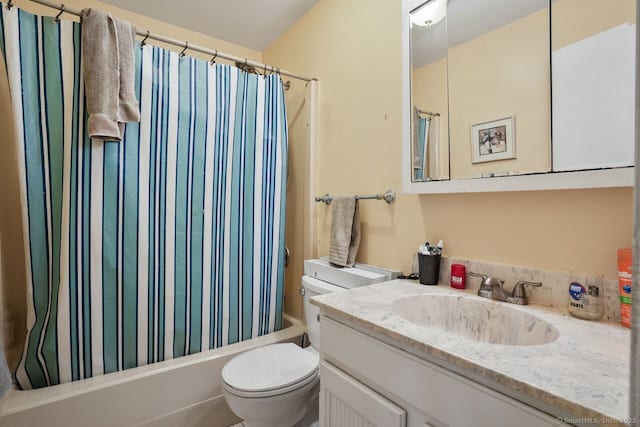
<point>345,231</point>
<point>109,74</point>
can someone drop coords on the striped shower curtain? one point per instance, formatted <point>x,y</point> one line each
<point>166,244</point>
<point>421,149</point>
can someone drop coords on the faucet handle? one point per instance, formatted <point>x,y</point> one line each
<point>518,290</point>
<point>483,276</point>
<point>488,282</point>
<point>486,279</point>
<point>483,282</point>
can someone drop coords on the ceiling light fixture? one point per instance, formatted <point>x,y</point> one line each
<point>429,13</point>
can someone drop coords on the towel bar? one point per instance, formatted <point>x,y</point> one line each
<point>388,196</point>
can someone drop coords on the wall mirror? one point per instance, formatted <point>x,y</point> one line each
<point>429,98</point>
<point>481,73</point>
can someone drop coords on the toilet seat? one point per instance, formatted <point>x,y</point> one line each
<point>274,392</point>
<point>270,371</point>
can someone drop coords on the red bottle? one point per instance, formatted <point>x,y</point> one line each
<point>458,276</point>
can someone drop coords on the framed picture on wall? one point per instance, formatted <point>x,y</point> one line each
<point>495,140</point>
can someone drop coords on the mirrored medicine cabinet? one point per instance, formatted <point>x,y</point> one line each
<point>515,95</point>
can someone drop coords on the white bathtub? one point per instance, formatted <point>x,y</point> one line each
<point>180,392</point>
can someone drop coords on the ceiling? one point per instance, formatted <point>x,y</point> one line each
<point>466,20</point>
<point>254,24</point>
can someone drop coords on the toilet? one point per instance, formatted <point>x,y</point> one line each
<point>278,385</point>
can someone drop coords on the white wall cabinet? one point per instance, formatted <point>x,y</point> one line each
<point>365,382</point>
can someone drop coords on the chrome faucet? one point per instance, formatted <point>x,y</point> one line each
<point>492,288</point>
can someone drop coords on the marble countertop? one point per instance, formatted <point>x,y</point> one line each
<point>584,372</point>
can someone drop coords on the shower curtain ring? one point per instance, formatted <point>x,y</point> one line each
<point>143,43</point>
<point>213,60</point>
<point>186,46</point>
<point>57,18</point>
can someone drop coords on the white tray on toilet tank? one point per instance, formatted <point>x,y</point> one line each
<point>347,277</point>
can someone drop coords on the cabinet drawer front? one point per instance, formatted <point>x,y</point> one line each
<point>441,394</point>
<point>345,402</point>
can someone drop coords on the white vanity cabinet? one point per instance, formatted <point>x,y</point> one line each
<point>365,382</point>
<point>346,402</point>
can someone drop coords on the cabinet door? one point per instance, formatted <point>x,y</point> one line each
<point>345,402</point>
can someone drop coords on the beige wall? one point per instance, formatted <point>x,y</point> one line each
<point>353,47</point>
<point>349,46</point>
<point>298,114</point>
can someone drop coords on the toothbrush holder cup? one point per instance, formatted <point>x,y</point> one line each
<point>429,269</point>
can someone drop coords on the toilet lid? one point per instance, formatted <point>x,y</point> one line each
<point>270,367</point>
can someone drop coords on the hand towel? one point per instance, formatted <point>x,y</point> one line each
<point>129,110</point>
<point>345,231</point>
<point>5,375</point>
<point>108,61</point>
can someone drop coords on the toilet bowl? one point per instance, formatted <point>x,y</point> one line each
<point>275,385</point>
<point>278,385</point>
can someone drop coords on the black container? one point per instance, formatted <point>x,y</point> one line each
<point>429,269</point>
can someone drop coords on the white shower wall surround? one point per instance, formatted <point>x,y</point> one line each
<point>166,244</point>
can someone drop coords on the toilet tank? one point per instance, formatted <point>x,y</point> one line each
<point>313,287</point>
<point>323,278</point>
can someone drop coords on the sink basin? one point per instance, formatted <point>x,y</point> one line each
<point>476,319</point>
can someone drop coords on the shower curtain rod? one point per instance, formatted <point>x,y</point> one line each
<point>185,45</point>
<point>428,113</point>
